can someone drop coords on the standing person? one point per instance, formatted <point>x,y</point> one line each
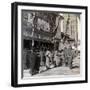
<point>32,60</point>
<point>65,55</point>
<point>41,57</point>
<point>51,58</point>
<point>56,58</point>
<point>47,55</point>
<point>37,62</point>
<point>68,55</point>
<point>51,55</point>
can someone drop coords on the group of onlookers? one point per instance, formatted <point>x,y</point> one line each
<point>46,59</point>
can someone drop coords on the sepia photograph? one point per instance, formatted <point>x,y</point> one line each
<point>51,44</point>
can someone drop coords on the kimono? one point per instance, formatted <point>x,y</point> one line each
<point>47,55</point>
<point>56,58</point>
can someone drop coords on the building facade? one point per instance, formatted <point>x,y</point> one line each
<point>71,25</point>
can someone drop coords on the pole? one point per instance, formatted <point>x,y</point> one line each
<point>76,32</point>
<point>33,27</point>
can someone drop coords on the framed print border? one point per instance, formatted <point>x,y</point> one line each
<point>14,43</point>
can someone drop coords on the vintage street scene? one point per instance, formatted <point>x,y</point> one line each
<point>50,43</point>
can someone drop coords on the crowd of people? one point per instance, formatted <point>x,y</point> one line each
<point>48,58</point>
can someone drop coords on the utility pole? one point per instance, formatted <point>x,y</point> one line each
<point>76,31</point>
<point>33,27</point>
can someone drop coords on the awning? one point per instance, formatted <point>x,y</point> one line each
<point>36,39</point>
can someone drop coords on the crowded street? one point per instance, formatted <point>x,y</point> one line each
<point>51,44</point>
<point>62,70</point>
